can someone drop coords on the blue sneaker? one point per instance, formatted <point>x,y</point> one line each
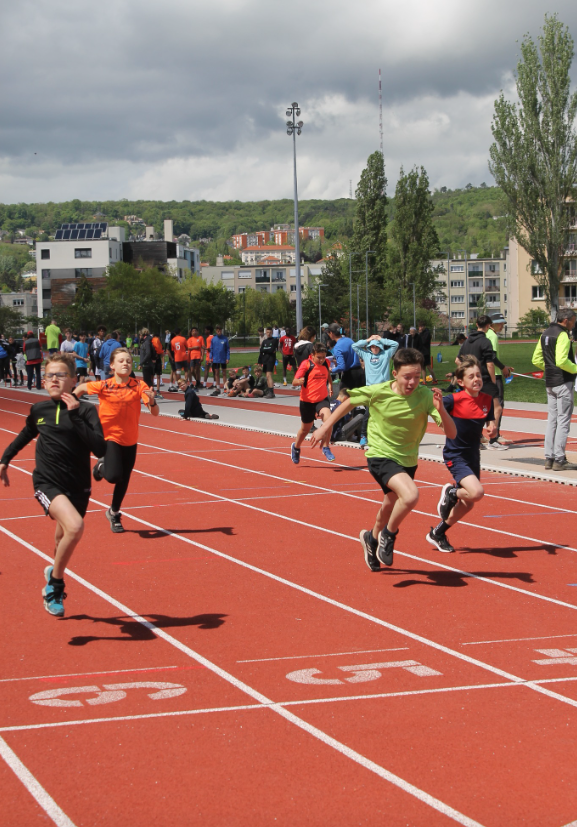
<point>363,442</point>
<point>295,454</point>
<point>53,595</point>
<point>329,454</point>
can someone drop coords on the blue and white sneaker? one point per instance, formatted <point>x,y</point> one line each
<point>329,454</point>
<point>295,454</point>
<point>363,442</point>
<point>54,595</point>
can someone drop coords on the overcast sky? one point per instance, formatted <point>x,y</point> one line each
<point>187,100</point>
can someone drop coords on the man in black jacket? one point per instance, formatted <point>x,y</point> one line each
<point>267,358</point>
<point>423,345</point>
<point>147,357</point>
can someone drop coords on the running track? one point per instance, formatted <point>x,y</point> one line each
<point>230,660</point>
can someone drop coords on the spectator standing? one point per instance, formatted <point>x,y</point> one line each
<point>13,350</point>
<point>53,334</point>
<point>67,345</point>
<point>196,347</point>
<point>554,355</point>
<point>346,360</point>
<point>82,357</point>
<point>497,323</point>
<point>208,363</point>
<point>377,355</point>
<point>325,338</point>
<point>33,354</point>
<point>423,345</point>
<point>267,358</point>
<point>220,357</point>
<point>109,346</point>
<point>157,356</point>
<point>304,344</point>
<point>146,357</point>
<point>20,368</point>
<point>179,349</point>
<point>97,343</point>
<point>167,340</point>
<point>287,346</point>
<point>4,360</point>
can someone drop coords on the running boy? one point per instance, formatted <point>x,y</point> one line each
<point>399,412</point>
<point>68,431</point>
<point>119,412</point>
<point>312,377</point>
<point>470,410</point>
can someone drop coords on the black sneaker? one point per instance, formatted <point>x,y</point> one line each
<point>440,541</point>
<point>115,523</point>
<point>97,470</point>
<point>564,466</point>
<point>369,545</point>
<point>447,501</point>
<point>548,464</point>
<point>215,392</point>
<point>385,548</point>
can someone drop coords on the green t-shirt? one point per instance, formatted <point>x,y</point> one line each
<point>128,341</point>
<point>494,339</point>
<point>52,334</point>
<point>397,423</point>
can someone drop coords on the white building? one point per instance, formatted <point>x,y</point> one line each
<point>24,302</point>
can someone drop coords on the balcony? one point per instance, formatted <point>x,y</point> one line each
<point>492,286</point>
<point>563,302</point>
<point>493,305</point>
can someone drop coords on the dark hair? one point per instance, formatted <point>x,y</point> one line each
<point>208,327</point>
<point>101,327</point>
<point>484,321</point>
<point>318,347</point>
<point>407,356</point>
<point>468,361</point>
<point>114,335</point>
<point>245,367</point>
<point>82,333</point>
<point>335,329</point>
<point>177,332</point>
<point>268,327</point>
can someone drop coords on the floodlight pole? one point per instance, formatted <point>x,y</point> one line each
<point>294,128</point>
<point>319,285</point>
<point>367,289</point>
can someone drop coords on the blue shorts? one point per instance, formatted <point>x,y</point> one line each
<point>463,466</point>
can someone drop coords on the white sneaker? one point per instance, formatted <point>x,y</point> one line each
<point>496,446</point>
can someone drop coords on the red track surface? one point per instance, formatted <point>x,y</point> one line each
<point>240,579</point>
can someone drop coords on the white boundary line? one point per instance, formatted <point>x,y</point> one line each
<point>352,754</point>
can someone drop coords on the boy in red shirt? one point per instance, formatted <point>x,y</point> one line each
<point>287,345</point>
<point>312,377</point>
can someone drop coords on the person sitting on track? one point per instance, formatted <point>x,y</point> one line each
<point>119,412</point>
<point>470,410</point>
<point>260,383</point>
<point>192,407</point>
<point>242,383</point>
<point>399,413</point>
<point>349,428</point>
<point>67,432</point>
<point>313,377</point>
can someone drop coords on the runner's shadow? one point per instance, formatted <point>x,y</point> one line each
<point>453,579</point>
<point>133,630</point>
<point>509,552</point>
<point>155,534</point>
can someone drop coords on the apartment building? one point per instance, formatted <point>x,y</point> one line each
<point>24,302</point>
<point>472,285</point>
<point>266,279</point>
<point>269,254</point>
<point>280,234</point>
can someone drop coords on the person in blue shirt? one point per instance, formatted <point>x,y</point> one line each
<point>219,357</point>
<point>377,356</point>
<point>345,360</point>
<point>105,352</point>
<point>81,350</point>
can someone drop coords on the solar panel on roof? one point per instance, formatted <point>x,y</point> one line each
<point>97,233</point>
<point>66,235</point>
<point>64,227</point>
<point>101,226</point>
<point>82,233</point>
<point>73,235</point>
<point>58,235</point>
<point>89,233</point>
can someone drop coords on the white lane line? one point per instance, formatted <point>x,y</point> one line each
<point>35,789</point>
<point>352,754</point>
<point>85,674</point>
<point>517,639</point>
<point>329,655</point>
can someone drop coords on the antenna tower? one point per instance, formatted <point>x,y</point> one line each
<point>381,113</point>
<point>351,188</point>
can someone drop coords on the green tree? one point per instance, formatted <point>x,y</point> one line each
<point>533,322</point>
<point>370,227</point>
<point>534,156</point>
<point>10,321</point>
<point>213,304</point>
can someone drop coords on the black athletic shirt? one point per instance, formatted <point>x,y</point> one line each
<point>469,413</point>
<point>65,440</point>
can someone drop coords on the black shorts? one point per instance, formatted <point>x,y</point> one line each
<point>288,360</point>
<point>218,365</point>
<point>490,388</point>
<point>268,364</point>
<point>181,366</point>
<point>45,493</point>
<point>158,364</point>
<point>464,466</point>
<point>500,390</point>
<point>82,371</point>
<point>195,363</point>
<point>383,469</point>
<point>310,409</point>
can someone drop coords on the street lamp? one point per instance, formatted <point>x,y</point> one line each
<point>320,320</point>
<point>367,288</point>
<point>294,128</point>
<point>351,254</point>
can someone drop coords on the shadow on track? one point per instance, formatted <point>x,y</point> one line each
<point>133,630</point>
<point>452,579</point>
<point>509,552</point>
<point>154,534</point>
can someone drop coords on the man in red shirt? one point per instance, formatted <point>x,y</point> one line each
<point>178,347</point>
<point>312,377</point>
<point>287,344</point>
<point>195,345</point>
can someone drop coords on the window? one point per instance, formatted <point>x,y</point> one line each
<point>262,276</point>
<point>505,297</point>
<point>457,299</point>
<point>45,254</point>
<point>476,283</point>
<point>46,274</point>
<point>457,314</point>
<point>570,293</point>
<point>245,274</point>
<point>457,284</point>
<point>535,267</point>
<point>227,274</point>
<point>570,268</point>
<point>492,268</point>
<point>504,282</point>
<point>47,294</point>
<point>537,292</point>
<point>82,271</point>
<point>242,289</point>
<point>83,252</point>
<point>279,275</point>
<point>293,288</point>
<point>457,268</point>
<point>20,302</point>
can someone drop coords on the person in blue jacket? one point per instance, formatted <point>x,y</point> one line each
<point>105,352</point>
<point>345,360</point>
<point>377,356</point>
<point>220,357</point>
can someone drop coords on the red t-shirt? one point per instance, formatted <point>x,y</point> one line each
<point>287,344</point>
<point>178,347</point>
<point>316,389</point>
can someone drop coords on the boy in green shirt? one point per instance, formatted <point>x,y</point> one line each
<point>399,411</point>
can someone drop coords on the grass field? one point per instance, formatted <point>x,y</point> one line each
<point>517,355</point>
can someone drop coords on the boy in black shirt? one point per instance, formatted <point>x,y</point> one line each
<point>267,358</point>
<point>68,431</point>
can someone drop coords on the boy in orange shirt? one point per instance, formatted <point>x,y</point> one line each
<point>312,377</point>
<point>195,345</point>
<point>179,348</point>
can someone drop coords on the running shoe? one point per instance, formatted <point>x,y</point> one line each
<point>363,442</point>
<point>440,541</point>
<point>564,466</point>
<point>496,446</point>
<point>295,454</point>
<point>53,595</point>
<point>97,470</point>
<point>115,522</point>
<point>328,454</point>
<point>158,396</point>
<point>216,392</point>
<point>284,383</point>
<point>369,545</point>
<point>502,441</point>
<point>385,548</point>
<point>447,501</point>
<point>173,389</point>
<point>548,464</point>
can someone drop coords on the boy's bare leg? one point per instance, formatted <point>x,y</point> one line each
<point>324,415</point>
<point>397,504</point>
<point>269,379</point>
<point>302,433</point>
<point>469,492</point>
<point>69,530</point>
